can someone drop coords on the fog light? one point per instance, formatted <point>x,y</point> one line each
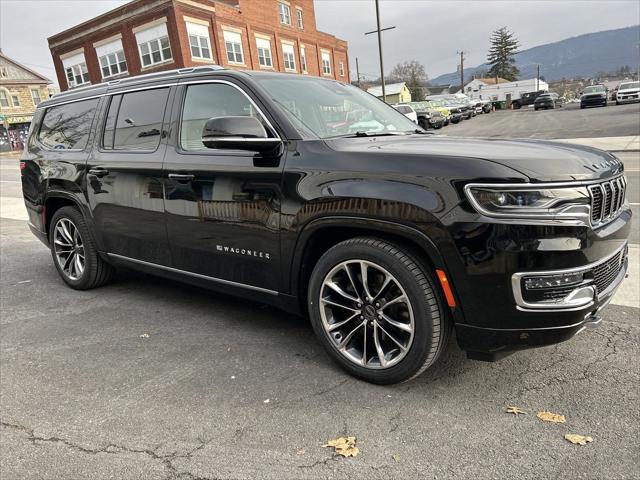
<point>551,281</point>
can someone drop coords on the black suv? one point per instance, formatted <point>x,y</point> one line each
<point>316,197</point>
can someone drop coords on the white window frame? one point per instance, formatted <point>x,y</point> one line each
<point>288,50</point>
<point>111,56</point>
<point>264,44</point>
<point>341,68</point>
<point>35,91</point>
<point>303,59</point>
<point>4,98</point>
<point>198,35</point>
<point>326,67</point>
<point>75,66</point>
<point>231,39</point>
<point>150,38</point>
<point>299,19</point>
<point>284,12</point>
<point>15,100</point>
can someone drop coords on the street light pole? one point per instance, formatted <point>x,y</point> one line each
<point>379,32</point>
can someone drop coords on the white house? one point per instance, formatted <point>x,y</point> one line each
<point>496,91</point>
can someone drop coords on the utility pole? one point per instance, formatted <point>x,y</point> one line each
<point>358,72</point>
<point>538,79</point>
<point>461,71</point>
<point>379,32</point>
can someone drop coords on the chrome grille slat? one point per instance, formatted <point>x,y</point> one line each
<point>607,200</point>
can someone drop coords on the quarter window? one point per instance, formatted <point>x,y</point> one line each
<point>4,100</point>
<point>233,45</point>
<point>206,101</point>
<point>199,41</point>
<point>289,57</point>
<point>285,13</point>
<point>134,120</point>
<point>264,52</point>
<point>326,63</point>
<point>299,18</point>
<point>67,127</point>
<point>154,45</point>
<point>111,58</point>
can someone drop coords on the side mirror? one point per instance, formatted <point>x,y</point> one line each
<point>238,133</point>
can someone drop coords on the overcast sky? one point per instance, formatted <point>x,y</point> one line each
<point>429,31</point>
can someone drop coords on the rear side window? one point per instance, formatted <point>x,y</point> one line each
<point>67,127</point>
<point>134,120</point>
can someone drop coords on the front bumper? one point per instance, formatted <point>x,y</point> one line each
<point>628,98</point>
<point>588,102</point>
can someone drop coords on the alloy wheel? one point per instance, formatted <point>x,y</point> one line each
<point>69,249</point>
<point>367,314</point>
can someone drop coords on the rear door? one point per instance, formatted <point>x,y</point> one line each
<point>223,206</point>
<point>124,179</point>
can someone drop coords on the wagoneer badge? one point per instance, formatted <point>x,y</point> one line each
<point>243,251</point>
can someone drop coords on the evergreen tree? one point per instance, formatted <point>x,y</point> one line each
<point>504,46</point>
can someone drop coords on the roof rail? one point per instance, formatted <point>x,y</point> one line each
<point>179,71</point>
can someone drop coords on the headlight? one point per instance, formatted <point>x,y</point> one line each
<point>544,202</point>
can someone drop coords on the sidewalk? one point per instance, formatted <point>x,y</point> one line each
<point>611,144</point>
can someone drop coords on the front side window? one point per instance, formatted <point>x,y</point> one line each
<point>35,96</point>
<point>134,120</point>
<point>264,52</point>
<point>206,101</point>
<point>303,60</point>
<point>233,45</point>
<point>285,13</point>
<point>299,18</point>
<point>326,63</point>
<point>154,46</point>
<point>67,127</point>
<point>199,41</point>
<point>289,57</point>
<point>321,108</point>
<point>4,99</point>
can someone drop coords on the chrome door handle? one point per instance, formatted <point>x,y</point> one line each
<point>99,171</point>
<point>182,177</point>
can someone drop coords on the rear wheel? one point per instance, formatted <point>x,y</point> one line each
<point>376,311</point>
<point>74,253</point>
<point>423,123</point>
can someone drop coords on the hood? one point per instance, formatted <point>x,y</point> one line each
<point>539,160</point>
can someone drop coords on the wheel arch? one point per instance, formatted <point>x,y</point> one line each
<point>57,199</point>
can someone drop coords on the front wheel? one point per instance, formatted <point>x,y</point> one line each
<point>424,124</point>
<point>376,310</point>
<point>74,252</point>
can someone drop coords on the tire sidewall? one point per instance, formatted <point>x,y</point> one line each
<point>422,311</point>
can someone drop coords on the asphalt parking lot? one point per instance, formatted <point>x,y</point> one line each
<point>150,379</point>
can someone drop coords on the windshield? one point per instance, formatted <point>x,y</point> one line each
<point>594,89</point>
<point>627,86</point>
<point>326,108</point>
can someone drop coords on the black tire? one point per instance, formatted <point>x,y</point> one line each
<point>617,102</point>
<point>424,123</point>
<point>535,108</point>
<point>431,325</point>
<point>96,271</point>
<point>581,106</point>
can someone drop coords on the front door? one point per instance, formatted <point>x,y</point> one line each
<point>223,206</point>
<point>124,176</point>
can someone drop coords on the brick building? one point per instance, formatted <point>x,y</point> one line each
<point>21,89</point>
<point>145,36</point>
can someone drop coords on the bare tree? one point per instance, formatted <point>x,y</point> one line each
<point>414,75</point>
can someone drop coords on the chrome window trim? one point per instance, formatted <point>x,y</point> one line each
<point>516,285</point>
<point>192,274</point>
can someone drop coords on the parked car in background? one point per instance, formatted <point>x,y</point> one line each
<point>451,103</point>
<point>407,111</point>
<point>594,96</point>
<point>628,92</point>
<point>547,100</point>
<point>439,106</point>
<point>526,99</point>
<point>428,116</point>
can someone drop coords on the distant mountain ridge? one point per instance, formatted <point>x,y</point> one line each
<point>576,57</point>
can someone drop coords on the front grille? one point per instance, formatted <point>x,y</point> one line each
<point>605,273</point>
<point>607,199</point>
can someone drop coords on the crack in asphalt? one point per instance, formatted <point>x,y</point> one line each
<point>113,449</point>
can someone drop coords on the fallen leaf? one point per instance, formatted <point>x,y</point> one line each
<point>233,377</point>
<point>516,411</point>
<point>551,417</point>
<point>144,335</point>
<point>301,451</point>
<point>396,458</point>
<point>266,401</point>
<point>345,446</point>
<point>577,439</point>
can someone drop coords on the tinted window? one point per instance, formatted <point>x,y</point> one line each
<point>134,120</point>
<point>67,127</point>
<point>206,101</point>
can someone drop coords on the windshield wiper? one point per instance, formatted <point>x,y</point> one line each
<point>361,133</point>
